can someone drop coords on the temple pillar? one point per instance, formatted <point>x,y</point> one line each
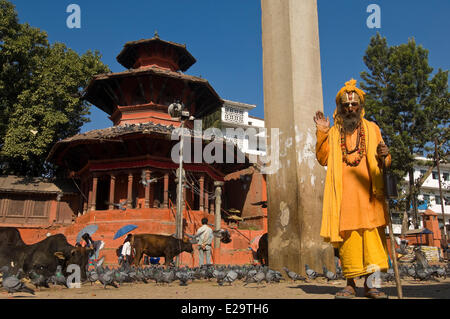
<point>85,200</point>
<point>292,95</point>
<point>90,194</point>
<point>130,191</point>
<point>166,190</point>
<point>202,182</point>
<point>147,189</point>
<point>206,207</point>
<point>217,219</point>
<point>94,192</point>
<point>112,189</point>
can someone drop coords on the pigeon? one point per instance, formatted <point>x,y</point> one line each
<point>58,278</point>
<point>13,284</point>
<point>255,276</point>
<point>38,280</point>
<point>220,275</point>
<point>106,277</point>
<point>144,181</point>
<point>230,277</point>
<point>329,274</point>
<point>273,276</point>
<point>310,272</point>
<point>121,205</point>
<point>183,277</point>
<point>92,276</point>
<point>293,275</point>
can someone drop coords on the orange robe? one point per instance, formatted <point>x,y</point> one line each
<point>359,208</point>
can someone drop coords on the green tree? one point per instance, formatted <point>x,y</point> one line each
<point>409,104</point>
<point>39,94</point>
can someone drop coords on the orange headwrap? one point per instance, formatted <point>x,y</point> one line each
<point>350,86</point>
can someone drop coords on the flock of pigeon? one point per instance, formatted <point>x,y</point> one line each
<point>223,275</point>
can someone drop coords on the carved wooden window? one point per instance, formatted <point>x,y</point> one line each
<point>16,206</point>
<point>40,208</point>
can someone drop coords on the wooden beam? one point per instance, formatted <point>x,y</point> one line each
<point>163,89</point>
<point>110,92</point>
<point>141,88</point>
<point>123,101</point>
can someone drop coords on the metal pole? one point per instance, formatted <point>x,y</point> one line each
<point>179,216</point>
<point>440,190</point>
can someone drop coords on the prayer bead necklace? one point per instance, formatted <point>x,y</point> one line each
<point>360,147</point>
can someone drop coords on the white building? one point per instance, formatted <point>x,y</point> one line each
<point>243,129</point>
<point>429,191</point>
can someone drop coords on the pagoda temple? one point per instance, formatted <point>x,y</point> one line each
<point>125,173</point>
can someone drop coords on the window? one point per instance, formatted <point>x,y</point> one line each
<point>446,177</point>
<point>435,175</point>
<point>447,201</point>
<point>426,197</point>
<point>437,198</point>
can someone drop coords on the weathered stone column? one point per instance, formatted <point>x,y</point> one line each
<point>130,191</point>
<point>202,185</point>
<point>292,95</point>
<point>112,190</point>
<point>147,190</point>
<point>166,190</point>
<point>94,192</point>
<point>217,219</point>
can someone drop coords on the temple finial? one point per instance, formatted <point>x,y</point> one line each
<point>156,34</point>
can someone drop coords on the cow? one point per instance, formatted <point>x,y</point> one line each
<point>263,250</point>
<point>10,243</point>
<point>44,256</point>
<point>158,246</point>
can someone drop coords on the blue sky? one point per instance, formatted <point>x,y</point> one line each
<point>225,37</point>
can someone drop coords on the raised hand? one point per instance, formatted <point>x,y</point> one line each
<point>320,120</point>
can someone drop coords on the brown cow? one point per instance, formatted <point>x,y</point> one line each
<point>158,246</point>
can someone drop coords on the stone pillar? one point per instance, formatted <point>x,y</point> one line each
<point>57,218</point>
<point>202,184</point>
<point>166,190</point>
<point>90,194</point>
<point>85,202</point>
<point>94,192</point>
<point>147,190</point>
<point>112,190</point>
<point>292,95</point>
<point>217,219</point>
<point>130,191</point>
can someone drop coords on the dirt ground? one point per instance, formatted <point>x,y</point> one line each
<point>203,289</point>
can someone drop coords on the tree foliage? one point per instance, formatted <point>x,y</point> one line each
<point>39,94</point>
<point>410,105</point>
